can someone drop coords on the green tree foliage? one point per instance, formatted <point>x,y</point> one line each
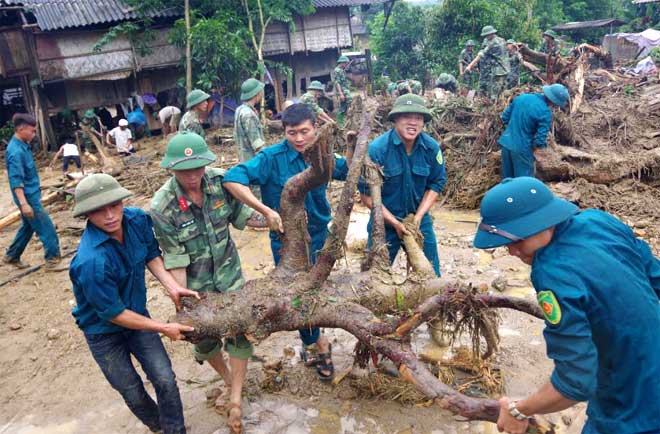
<point>220,55</point>
<point>453,23</point>
<point>402,46</point>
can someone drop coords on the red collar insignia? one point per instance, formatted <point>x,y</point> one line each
<point>183,204</point>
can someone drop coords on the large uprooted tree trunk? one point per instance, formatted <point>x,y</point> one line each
<point>379,312</point>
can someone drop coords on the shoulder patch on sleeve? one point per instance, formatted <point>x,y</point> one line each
<point>550,306</point>
<point>438,157</point>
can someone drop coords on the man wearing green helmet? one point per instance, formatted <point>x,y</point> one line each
<point>342,88</point>
<point>550,45</point>
<point>197,102</point>
<point>191,214</point>
<point>528,119</point>
<point>109,287</point>
<point>409,86</point>
<point>311,98</point>
<point>598,288</point>
<point>515,60</point>
<point>493,60</point>
<point>469,79</point>
<point>248,131</point>
<point>447,82</point>
<point>90,124</point>
<point>414,172</point>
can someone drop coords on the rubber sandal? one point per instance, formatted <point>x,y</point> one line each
<point>309,355</point>
<point>325,364</point>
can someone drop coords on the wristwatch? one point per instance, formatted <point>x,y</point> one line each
<point>513,411</point>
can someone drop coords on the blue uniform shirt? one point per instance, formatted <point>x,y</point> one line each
<point>22,171</point>
<point>271,168</point>
<point>406,177</point>
<point>599,288</point>
<point>527,119</point>
<point>108,277</point>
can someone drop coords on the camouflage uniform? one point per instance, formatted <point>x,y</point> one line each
<point>513,78</point>
<point>470,78</point>
<point>391,89</point>
<point>309,99</point>
<point>406,86</point>
<point>199,240</point>
<point>86,125</point>
<point>545,48</point>
<point>493,67</point>
<point>342,81</point>
<point>248,132</point>
<point>191,122</point>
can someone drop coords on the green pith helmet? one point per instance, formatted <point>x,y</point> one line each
<point>96,191</point>
<point>488,30</point>
<point>518,208</point>
<point>550,33</point>
<point>315,85</point>
<point>410,103</point>
<point>185,151</point>
<point>511,41</point>
<point>445,78</point>
<point>250,88</point>
<point>470,43</point>
<point>343,59</point>
<point>89,114</point>
<point>557,93</point>
<point>195,97</point>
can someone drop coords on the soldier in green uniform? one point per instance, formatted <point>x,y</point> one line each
<point>549,45</point>
<point>248,131</point>
<point>515,60</point>
<point>464,59</point>
<point>311,97</point>
<point>409,86</point>
<point>447,82</point>
<point>197,102</point>
<point>391,89</point>
<point>191,214</point>
<point>494,66</point>
<point>90,124</point>
<point>341,88</point>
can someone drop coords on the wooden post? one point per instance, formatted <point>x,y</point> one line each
<point>370,73</point>
<point>188,55</point>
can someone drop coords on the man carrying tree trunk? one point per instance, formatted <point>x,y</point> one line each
<point>271,169</point>
<point>191,214</point>
<point>598,287</point>
<point>414,175</point>
<point>108,283</point>
<point>26,192</point>
<point>342,88</point>
<point>311,98</point>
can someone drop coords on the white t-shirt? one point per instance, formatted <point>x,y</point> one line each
<point>121,138</point>
<point>165,113</point>
<point>69,149</point>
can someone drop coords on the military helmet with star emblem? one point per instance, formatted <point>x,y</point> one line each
<point>96,191</point>
<point>185,151</point>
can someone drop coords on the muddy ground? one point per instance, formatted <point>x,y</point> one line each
<point>49,383</point>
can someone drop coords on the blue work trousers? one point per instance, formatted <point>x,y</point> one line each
<point>112,353</point>
<point>515,164</point>
<point>308,336</point>
<point>43,226</point>
<point>430,246</point>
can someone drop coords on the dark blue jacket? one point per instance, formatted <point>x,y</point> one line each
<point>22,171</point>
<point>406,177</point>
<point>599,287</point>
<point>528,119</point>
<point>108,276</point>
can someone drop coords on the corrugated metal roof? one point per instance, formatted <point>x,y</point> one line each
<point>579,25</point>
<point>645,1</point>
<point>335,3</point>
<point>62,14</point>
